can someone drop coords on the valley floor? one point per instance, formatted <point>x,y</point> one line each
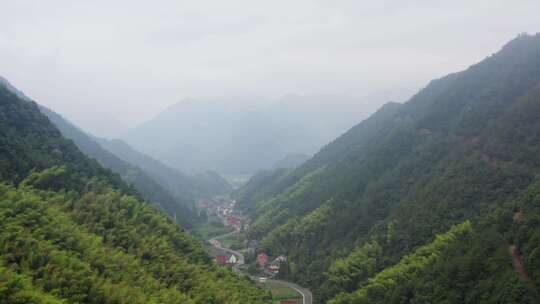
<point>222,245</point>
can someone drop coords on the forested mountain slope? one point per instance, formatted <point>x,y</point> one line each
<point>30,142</point>
<point>133,175</point>
<point>463,147</point>
<point>493,261</point>
<point>70,232</point>
<point>180,184</point>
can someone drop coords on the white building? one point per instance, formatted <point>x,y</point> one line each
<point>232,260</point>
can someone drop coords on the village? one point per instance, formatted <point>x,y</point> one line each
<point>225,231</point>
<point>233,249</point>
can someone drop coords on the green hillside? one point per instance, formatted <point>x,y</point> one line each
<point>73,232</point>
<point>461,148</point>
<point>133,175</point>
<point>179,184</point>
<point>494,261</point>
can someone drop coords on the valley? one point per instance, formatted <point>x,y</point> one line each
<point>224,209</point>
<point>210,152</point>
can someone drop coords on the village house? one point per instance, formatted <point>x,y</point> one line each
<point>224,211</point>
<point>234,222</point>
<point>262,260</point>
<point>221,260</point>
<point>274,267</point>
<point>232,260</point>
<point>281,259</point>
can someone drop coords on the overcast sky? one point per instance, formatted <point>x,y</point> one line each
<point>130,59</point>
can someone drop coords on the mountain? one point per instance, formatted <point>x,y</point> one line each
<point>430,201</point>
<point>181,185</point>
<point>231,139</point>
<point>74,232</point>
<point>148,187</point>
<point>290,161</point>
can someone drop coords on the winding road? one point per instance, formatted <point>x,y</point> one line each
<point>307,296</point>
<point>215,242</point>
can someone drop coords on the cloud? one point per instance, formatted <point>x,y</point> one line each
<point>133,58</point>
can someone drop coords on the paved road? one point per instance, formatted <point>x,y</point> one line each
<point>215,242</point>
<point>307,296</point>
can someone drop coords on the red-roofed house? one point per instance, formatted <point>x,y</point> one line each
<point>221,260</point>
<point>233,221</point>
<point>262,259</point>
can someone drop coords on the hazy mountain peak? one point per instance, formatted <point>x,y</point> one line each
<point>230,138</point>
<point>523,40</point>
<point>13,89</point>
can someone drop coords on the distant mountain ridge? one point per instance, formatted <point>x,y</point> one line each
<point>182,185</point>
<point>201,135</point>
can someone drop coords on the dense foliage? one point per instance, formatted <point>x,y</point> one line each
<point>70,232</point>
<point>494,262</point>
<point>106,247</point>
<point>463,146</point>
<point>259,187</point>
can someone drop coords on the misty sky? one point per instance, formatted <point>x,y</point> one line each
<point>131,59</point>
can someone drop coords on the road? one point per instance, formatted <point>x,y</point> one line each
<point>215,242</point>
<point>307,296</point>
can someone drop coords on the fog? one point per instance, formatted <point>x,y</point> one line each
<point>110,65</point>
